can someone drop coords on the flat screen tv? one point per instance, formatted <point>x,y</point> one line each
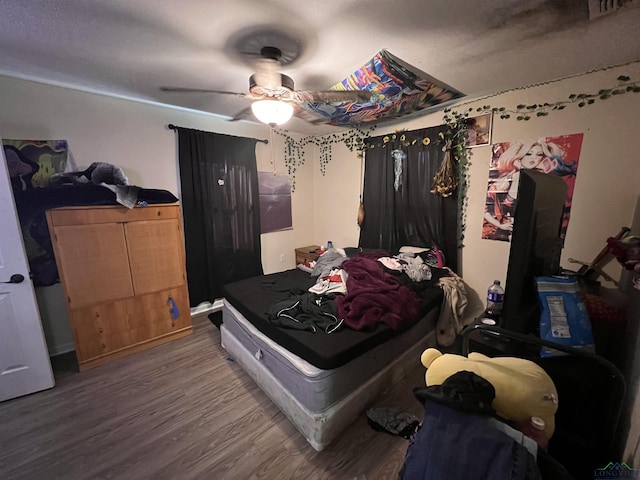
<point>536,245</point>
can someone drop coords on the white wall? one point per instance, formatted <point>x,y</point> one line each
<point>276,244</point>
<point>135,136</point>
<point>54,318</point>
<point>336,199</point>
<point>607,182</point>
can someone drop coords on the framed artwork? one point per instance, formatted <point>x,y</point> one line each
<point>478,130</point>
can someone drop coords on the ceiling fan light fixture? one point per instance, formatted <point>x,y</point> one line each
<point>272,112</point>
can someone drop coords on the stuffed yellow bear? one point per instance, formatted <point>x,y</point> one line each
<point>523,389</point>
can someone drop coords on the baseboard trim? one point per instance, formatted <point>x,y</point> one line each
<point>60,349</point>
<point>205,308</point>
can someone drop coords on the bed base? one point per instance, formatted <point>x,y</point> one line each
<point>321,427</point>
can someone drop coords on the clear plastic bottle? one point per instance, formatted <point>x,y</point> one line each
<point>329,244</point>
<point>495,297</point>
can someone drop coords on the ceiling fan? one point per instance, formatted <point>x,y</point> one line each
<point>274,95</point>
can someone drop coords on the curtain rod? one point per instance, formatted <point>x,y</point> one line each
<point>173,127</point>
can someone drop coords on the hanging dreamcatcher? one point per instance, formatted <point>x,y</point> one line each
<point>398,158</point>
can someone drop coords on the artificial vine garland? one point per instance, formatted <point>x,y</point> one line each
<point>525,112</point>
<point>294,150</point>
<point>456,120</point>
<point>458,159</point>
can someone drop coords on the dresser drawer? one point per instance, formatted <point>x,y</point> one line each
<point>100,329</point>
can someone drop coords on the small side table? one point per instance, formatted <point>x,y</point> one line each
<point>307,254</point>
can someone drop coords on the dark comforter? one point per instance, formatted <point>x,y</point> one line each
<point>254,296</point>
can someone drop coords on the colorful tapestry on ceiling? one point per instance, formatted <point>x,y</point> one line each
<point>397,89</point>
<point>552,155</point>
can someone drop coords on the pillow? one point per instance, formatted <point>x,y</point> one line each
<point>432,256</point>
<point>352,251</point>
<point>414,250</point>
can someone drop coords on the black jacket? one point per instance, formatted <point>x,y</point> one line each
<point>307,311</point>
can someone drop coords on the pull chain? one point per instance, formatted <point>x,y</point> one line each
<point>271,143</point>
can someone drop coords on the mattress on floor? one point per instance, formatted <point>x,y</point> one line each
<point>253,296</point>
<point>320,428</point>
<point>314,388</point>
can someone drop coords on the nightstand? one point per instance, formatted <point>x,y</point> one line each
<point>307,254</point>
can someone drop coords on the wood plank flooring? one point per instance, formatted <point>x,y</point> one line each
<point>184,411</point>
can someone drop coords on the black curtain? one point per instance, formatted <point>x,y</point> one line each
<point>411,215</point>
<point>219,183</point>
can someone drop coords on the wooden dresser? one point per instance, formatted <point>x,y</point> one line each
<point>124,279</point>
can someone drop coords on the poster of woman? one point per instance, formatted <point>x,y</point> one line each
<point>552,155</point>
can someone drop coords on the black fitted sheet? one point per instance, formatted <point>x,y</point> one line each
<point>253,296</point>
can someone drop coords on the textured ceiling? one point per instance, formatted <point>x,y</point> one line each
<point>132,47</point>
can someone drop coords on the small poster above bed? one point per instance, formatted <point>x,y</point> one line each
<point>275,202</point>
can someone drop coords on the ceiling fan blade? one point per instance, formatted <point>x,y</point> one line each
<point>204,90</point>
<point>307,116</point>
<point>244,113</point>
<point>333,96</point>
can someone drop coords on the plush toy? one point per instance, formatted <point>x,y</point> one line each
<point>523,389</point>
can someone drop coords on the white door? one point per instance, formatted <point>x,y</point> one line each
<point>24,360</point>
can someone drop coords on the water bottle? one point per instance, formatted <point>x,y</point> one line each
<point>329,244</point>
<point>495,297</point>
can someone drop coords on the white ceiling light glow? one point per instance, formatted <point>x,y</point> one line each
<point>272,112</point>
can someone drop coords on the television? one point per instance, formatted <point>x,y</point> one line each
<point>536,245</point>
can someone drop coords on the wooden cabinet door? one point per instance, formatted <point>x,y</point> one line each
<point>93,263</point>
<point>155,255</point>
<point>123,272</point>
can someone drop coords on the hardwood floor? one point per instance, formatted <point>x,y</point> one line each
<point>182,410</point>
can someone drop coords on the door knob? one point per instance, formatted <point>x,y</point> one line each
<point>16,278</point>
